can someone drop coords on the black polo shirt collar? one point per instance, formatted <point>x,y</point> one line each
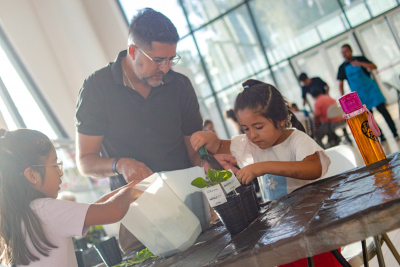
<point>116,70</point>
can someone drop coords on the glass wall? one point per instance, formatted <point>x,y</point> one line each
<point>224,42</point>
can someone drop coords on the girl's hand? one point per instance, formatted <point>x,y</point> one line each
<point>136,193</point>
<point>248,173</point>
<point>209,139</point>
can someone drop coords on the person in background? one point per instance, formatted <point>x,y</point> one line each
<point>323,125</point>
<point>135,116</point>
<point>36,229</point>
<point>284,157</point>
<point>230,114</point>
<point>308,83</point>
<point>356,70</point>
<point>208,126</point>
<point>304,118</point>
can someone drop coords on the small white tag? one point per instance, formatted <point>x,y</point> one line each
<point>215,195</point>
<point>231,184</point>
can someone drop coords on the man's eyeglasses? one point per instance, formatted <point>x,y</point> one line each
<point>161,63</point>
<point>58,166</point>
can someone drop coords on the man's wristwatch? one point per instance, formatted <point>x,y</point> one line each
<point>114,166</point>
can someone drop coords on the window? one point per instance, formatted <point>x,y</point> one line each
<point>289,27</point>
<point>201,12</point>
<point>230,49</point>
<point>169,8</point>
<point>15,93</point>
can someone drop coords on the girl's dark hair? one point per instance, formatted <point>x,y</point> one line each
<point>265,99</point>
<point>19,150</point>
<point>206,122</point>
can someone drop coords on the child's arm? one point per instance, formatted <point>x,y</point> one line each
<point>309,168</point>
<point>211,141</point>
<point>113,206</point>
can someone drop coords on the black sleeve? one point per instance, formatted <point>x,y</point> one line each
<point>362,59</point>
<point>190,110</point>
<point>341,73</point>
<point>322,82</point>
<point>303,92</point>
<point>90,117</point>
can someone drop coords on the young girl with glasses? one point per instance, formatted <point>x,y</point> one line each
<point>285,158</point>
<point>35,227</point>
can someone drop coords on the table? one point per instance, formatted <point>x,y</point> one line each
<point>320,217</point>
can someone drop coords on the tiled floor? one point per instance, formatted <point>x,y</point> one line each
<point>391,146</point>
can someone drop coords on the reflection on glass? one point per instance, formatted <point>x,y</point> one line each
<point>190,65</point>
<point>378,7</point>
<point>230,49</point>
<point>170,8</point>
<point>356,11</point>
<point>201,12</point>
<point>381,48</point>
<point>287,83</point>
<point>22,98</point>
<point>288,27</point>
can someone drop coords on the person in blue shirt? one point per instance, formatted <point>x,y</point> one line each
<point>356,70</point>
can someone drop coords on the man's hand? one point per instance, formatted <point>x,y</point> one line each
<point>227,161</point>
<point>209,139</point>
<point>133,170</point>
<point>248,173</point>
<point>355,63</point>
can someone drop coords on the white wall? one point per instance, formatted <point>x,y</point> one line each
<point>61,42</point>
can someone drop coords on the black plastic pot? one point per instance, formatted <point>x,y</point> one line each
<point>249,201</point>
<point>109,251</point>
<point>232,214</point>
<point>79,258</point>
<point>81,243</point>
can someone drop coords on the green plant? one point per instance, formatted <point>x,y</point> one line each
<point>215,177</point>
<point>140,257</point>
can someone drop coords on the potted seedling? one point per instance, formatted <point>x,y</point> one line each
<point>231,212</point>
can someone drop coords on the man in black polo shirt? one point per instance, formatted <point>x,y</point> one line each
<point>308,83</point>
<point>137,112</point>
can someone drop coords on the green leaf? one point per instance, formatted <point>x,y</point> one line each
<point>212,175</point>
<point>199,182</point>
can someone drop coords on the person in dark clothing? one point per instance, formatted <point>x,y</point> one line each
<point>356,70</point>
<point>309,83</point>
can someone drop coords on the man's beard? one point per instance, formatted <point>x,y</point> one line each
<point>147,79</point>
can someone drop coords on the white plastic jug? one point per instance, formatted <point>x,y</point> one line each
<point>160,220</point>
<point>180,182</point>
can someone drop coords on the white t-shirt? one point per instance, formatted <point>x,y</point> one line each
<point>295,148</point>
<point>61,220</point>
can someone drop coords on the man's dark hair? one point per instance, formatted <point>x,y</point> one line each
<point>348,46</point>
<point>303,77</point>
<point>149,26</point>
<point>206,122</point>
<point>315,91</point>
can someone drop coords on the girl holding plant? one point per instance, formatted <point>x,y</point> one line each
<point>285,158</point>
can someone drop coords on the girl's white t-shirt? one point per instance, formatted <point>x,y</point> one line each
<point>61,220</point>
<point>295,148</point>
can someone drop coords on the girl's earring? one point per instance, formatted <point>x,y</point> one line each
<point>35,181</point>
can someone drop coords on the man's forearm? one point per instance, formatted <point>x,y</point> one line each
<point>95,166</point>
<point>341,88</point>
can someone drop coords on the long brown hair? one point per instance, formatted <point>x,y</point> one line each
<point>266,100</point>
<point>19,150</point>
